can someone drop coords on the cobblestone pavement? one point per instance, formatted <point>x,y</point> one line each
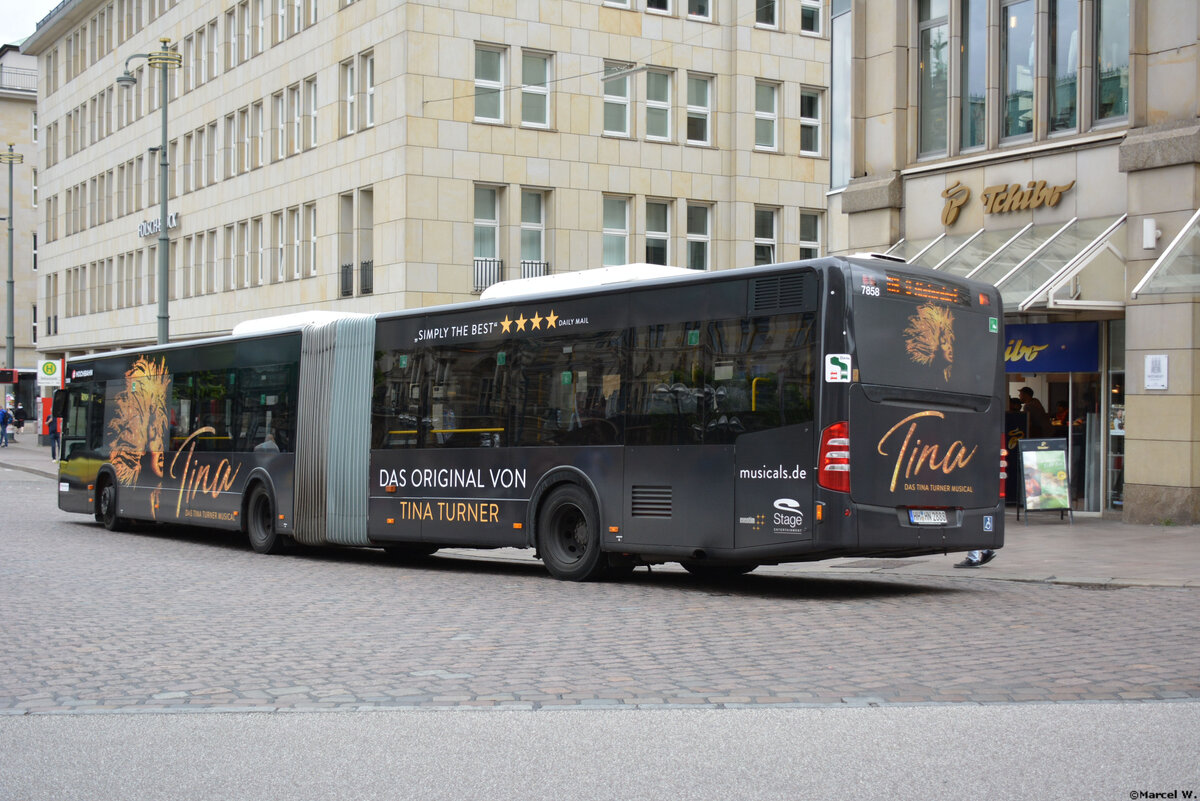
<point>188,620</point>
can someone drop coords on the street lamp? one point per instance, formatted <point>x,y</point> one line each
<point>10,158</point>
<point>165,59</point>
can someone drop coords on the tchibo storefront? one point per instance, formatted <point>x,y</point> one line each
<point>1051,148</point>
<point>1056,251</point>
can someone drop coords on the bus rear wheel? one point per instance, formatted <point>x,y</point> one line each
<point>260,522</point>
<point>568,535</point>
<point>106,507</point>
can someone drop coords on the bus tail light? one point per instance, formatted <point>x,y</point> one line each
<point>1003,470</point>
<point>833,470</point>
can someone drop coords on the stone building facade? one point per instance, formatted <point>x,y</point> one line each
<point>19,127</point>
<point>380,154</point>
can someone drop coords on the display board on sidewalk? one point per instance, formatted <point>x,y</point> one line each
<point>1045,475</point>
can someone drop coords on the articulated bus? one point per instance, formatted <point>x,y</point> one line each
<point>723,420</point>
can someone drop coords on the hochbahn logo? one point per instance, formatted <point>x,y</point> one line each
<point>148,227</point>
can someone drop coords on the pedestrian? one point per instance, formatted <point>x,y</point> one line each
<point>52,432</point>
<point>5,419</point>
<point>19,419</point>
<point>977,558</point>
<point>1039,421</point>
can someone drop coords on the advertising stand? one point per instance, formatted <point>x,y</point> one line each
<point>1045,477</point>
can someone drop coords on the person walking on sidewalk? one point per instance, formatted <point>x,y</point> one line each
<point>977,558</point>
<point>5,419</point>
<point>52,432</point>
<point>19,420</point>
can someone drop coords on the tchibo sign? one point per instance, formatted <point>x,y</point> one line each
<point>148,227</point>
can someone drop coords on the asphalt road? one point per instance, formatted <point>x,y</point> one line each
<point>770,686</point>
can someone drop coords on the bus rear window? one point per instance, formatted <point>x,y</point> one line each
<point>908,332</point>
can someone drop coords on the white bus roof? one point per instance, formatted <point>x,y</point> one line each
<point>559,282</point>
<point>290,322</point>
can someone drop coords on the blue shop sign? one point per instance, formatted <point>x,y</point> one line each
<point>1052,348</point>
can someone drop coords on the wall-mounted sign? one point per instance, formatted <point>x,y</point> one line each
<point>1052,348</point>
<point>1002,198</point>
<point>1156,371</point>
<point>148,227</point>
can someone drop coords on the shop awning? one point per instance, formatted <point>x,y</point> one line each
<point>1178,268</point>
<point>1072,265</point>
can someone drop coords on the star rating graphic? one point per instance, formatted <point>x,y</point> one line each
<point>535,322</point>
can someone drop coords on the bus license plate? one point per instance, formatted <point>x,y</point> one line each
<point>927,517</point>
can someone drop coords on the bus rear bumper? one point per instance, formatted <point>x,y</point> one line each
<point>890,529</point>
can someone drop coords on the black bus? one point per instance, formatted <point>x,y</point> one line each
<point>794,412</point>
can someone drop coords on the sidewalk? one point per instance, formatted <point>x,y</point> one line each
<point>1090,552</point>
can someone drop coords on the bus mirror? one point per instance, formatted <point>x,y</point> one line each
<point>59,407</point>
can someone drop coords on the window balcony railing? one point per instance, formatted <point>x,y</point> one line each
<point>366,277</point>
<point>18,79</point>
<point>534,269</point>
<point>347,280</point>
<point>487,272</point>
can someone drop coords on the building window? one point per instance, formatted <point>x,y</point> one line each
<point>616,100</point>
<point>278,238</point>
<point>293,265</point>
<point>658,6</point>
<point>366,241</point>
<point>487,222</point>
<point>278,126</point>
<point>309,256</point>
<point>310,112</point>
<point>810,122</point>
<point>295,118</point>
<point>658,105</point>
<point>33,187</point>
<point>766,13</point>
<point>658,232</point>
<point>367,63</point>
<point>1018,66</point>
<point>973,74</point>
<point>764,236</point>
<point>697,237</point>
<point>533,227</point>
<point>810,239</point>
<point>1064,65</point>
<point>700,9</point>
<point>934,76</point>
<point>349,91</point>
<point>810,16</point>
<point>617,3</point>
<point>1112,60</point>
<point>257,252</point>
<point>535,90</point>
<point>256,135</point>
<point>698,109</point>
<point>615,248</point>
<point>766,115</point>
<point>489,84</point>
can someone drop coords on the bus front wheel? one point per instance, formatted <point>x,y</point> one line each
<point>106,507</point>
<point>568,535</point>
<point>260,522</point>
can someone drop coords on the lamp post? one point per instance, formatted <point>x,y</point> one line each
<point>10,158</point>
<point>166,60</point>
